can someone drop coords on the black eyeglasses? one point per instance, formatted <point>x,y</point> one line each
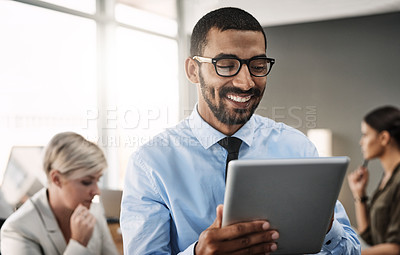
<point>230,66</point>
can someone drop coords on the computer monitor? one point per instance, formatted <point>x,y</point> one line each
<point>24,174</point>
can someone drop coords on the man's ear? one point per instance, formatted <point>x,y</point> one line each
<point>192,70</point>
<point>55,177</point>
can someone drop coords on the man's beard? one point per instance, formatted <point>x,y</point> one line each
<point>240,116</point>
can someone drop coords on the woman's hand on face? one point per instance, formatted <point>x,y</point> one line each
<point>358,181</point>
<point>82,225</point>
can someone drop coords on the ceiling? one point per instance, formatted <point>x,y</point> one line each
<point>270,12</point>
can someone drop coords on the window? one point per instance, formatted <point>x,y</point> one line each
<point>146,20</point>
<point>145,90</point>
<point>54,77</point>
<point>88,6</point>
<point>48,74</point>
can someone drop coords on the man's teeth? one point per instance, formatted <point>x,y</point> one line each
<point>239,99</point>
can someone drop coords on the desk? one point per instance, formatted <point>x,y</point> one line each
<point>116,235</point>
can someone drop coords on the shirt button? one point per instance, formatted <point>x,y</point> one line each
<point>328,242</point>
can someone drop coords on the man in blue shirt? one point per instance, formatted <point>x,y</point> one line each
<point>175,184</point>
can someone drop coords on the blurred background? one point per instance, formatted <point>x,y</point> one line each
<point>112,70</point>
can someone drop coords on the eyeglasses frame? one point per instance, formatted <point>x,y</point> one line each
<point>241,61</point>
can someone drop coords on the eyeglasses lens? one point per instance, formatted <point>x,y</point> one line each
<point>259,67</point>
<point>229,67</point>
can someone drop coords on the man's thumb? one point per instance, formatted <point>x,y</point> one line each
<point>218,220</point>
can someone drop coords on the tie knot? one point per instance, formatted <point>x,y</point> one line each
<point>231,144</point>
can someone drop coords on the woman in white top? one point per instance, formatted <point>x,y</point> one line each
<point>61,218</point>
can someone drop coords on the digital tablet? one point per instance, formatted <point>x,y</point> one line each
<point>297,197</point>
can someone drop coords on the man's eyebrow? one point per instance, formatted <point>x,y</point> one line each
<point>223,55</point>
<point>261,55</point>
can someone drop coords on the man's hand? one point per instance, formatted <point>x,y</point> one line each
<point>253,237</point>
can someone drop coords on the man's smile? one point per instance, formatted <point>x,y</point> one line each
<point>239,99</point>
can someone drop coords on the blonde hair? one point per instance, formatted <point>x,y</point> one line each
<point>73,156</point>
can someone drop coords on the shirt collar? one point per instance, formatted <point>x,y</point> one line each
<point>208,136</point>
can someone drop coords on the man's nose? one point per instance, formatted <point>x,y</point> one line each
<point>244,79</point>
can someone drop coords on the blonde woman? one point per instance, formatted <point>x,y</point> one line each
<point>378,219</point>
<point>61,218</point>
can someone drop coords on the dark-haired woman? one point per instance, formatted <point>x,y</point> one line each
<point>378,218</point>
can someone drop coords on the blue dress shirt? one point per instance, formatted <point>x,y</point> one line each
<point>174,183</point>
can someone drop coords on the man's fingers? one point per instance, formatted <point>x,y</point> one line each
<point>241,229</point>
<point>253,237</point>
<point>260,242</point>
<point>218,220</point>
<point>257,249</point>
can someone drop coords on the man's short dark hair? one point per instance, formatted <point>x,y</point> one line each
<point>222,19</point>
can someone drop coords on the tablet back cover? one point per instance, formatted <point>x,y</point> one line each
<point>297,197</point>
